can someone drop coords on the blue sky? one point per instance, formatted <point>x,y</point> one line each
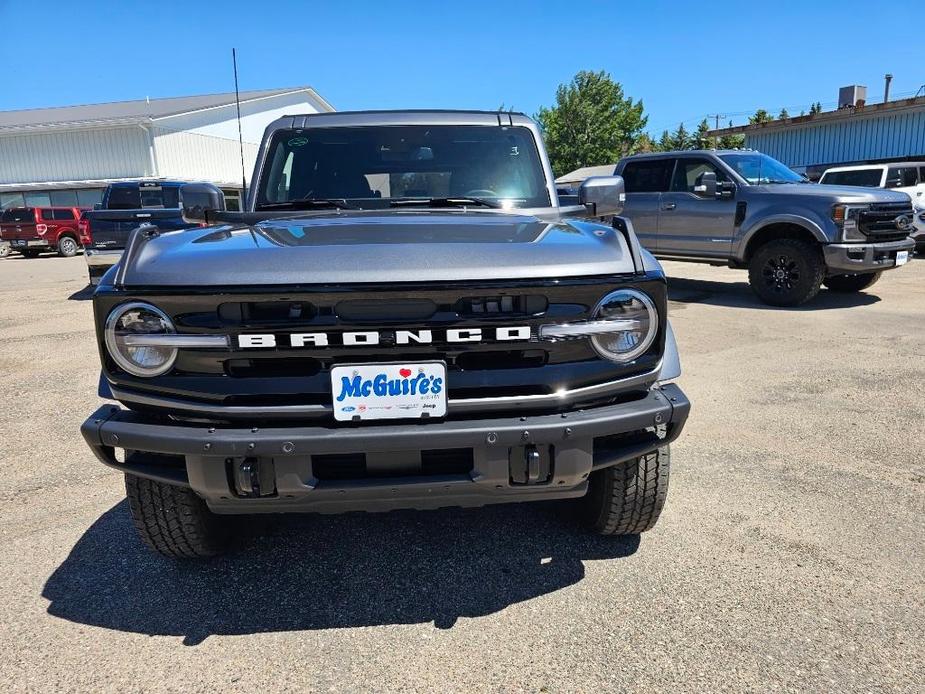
<point>685,60</point>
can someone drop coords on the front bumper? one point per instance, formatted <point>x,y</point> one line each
<point>99,261</point>
<point>207,459</point>
<point>863,257</point>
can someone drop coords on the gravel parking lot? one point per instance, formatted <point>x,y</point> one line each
<point>790,555</point>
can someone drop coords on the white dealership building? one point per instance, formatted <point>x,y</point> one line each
<point>67,155</point>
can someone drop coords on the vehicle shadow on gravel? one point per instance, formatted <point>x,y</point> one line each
<point>325,572</point>
<point>739,295</point>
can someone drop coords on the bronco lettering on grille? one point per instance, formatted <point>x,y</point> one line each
<point>366,338</point>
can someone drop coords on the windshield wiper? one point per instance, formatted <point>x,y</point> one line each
<point>308,204</point>
<point>443,202</point>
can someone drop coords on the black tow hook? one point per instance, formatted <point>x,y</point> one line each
<point>530,464</point>
<point>253,477</point>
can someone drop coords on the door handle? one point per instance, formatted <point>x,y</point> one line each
<point>669,206</point>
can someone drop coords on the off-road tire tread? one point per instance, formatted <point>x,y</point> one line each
<point>814,260</point>
<point>173,520</point>
<point>627,499</point>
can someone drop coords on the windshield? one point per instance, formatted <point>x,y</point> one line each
<point>759,168</point>
<point>858,177</point>
<point>376,165</point>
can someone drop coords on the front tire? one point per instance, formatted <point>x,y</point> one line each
<point>851,283</point>
<point>67,247</point>
<point>786,272</point>
<point>173,521</point>
<point>627,499</point>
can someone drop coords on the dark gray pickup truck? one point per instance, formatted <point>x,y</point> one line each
<point>747,210</point>
<point>407,316</point>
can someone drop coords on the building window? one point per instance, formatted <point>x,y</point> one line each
<point>232,200</point>
<point>63,198</point>
<point>89,197</point>
<point>8,200</point>
<point>37,199</point>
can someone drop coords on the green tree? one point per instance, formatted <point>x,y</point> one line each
<point>644,143</point>
<point>783,115</point>
<point>664,142</point>
<point>761,116</point>
<point>815,108</point>
<point>731,141</point>
<point>592,122</point>
<point>701,139</point>
<point>681,139</point>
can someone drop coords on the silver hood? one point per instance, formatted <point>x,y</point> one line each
<point>374,247</point>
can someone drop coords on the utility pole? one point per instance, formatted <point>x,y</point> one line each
<point>717,116</point>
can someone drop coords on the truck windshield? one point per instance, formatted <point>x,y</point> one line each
<point>859,177</point>
<point>373,166</point>
<point>758,168</point>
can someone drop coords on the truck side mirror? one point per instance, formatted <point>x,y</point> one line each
<point>705,185</point>
<point>602,196</point>
<point>198,199</point>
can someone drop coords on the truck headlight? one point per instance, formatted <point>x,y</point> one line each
<point>126,329</point>
<point>846,217</point>
<point>622,326</point>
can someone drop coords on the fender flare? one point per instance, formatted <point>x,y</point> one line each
<point>784,218</point>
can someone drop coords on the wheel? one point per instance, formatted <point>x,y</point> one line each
<point>851,283</point>
<point>628,498</point>
<point>4,250</point>
<point>786,272</point>
<point>174,521</point>
<point>67,247</point>
<point>30,253</point>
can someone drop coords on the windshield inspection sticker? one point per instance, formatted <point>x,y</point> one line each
<point>298,142</point>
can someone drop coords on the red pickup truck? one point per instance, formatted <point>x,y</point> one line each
<point>31,230</point>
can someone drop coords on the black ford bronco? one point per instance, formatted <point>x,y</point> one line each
<point>406,316</point>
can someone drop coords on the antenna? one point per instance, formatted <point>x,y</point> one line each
<point>237,103</point>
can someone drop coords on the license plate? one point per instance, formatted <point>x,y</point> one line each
<point>389,391</point>
<point>37,243</point>
<point>902,257</point>
<point>19,242</point>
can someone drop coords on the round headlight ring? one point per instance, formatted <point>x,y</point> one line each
<point>643,344</point>
<point>119,351</point>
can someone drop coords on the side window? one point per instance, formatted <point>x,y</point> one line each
<point>46,214</point>
<point>689,170</point>
<point>64,215</point>
<point>648,176</point>
<point>901,176</point>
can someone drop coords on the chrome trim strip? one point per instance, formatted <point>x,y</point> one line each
<point>174,340</point>
<point>591,327</point>
<point>454,406</point>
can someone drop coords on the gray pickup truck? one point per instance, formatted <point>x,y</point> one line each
<point>747,210</point>
<point>407,316</point>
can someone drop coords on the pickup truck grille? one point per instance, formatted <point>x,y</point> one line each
<point>286,376</point>
<point>879,223</point>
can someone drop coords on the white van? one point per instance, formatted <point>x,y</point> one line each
<point>905,176</point>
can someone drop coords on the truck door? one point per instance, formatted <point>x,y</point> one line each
<point>645,180</point>
<point>693,225</point>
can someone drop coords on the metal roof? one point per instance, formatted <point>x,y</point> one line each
<point>137,111</point>
<point>579,175</point>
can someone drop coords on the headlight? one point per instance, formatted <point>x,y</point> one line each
<point>846,217</point>
<point>622,326</point>
<point>126,329</point>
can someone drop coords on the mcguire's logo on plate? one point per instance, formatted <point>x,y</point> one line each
<point>389,391</point>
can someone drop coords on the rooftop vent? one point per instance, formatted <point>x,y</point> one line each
<point>854,95</point>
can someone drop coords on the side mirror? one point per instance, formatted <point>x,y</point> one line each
<point>705,185</point>
<point>602,196</point>
<point>893,182</point>
<point>198,199</point>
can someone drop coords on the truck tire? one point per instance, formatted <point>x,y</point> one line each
<point>786,272</point>
<point>851,283</point>
<point>627,499</point>
<point>173,521</point>
<point>67,247</point>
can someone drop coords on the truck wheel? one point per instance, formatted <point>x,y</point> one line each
<point>851,283</point>
<point>627,499</point>
<point>67,247</point>
<point>174,521</point>
<point>786,272</point>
